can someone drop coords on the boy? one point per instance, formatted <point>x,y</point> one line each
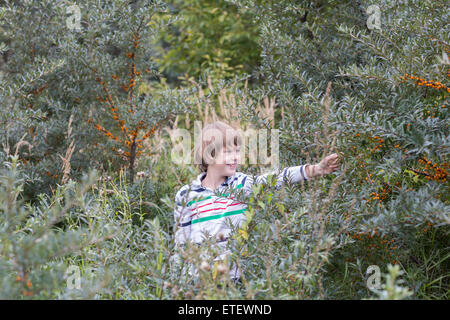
<point>202,210</point>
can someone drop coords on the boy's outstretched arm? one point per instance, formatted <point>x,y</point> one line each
<point>326,166</point>
<point>297,173</point>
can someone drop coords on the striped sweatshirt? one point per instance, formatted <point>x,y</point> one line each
<point>201,212</point>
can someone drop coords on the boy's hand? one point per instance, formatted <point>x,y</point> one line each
<point>326,166</point>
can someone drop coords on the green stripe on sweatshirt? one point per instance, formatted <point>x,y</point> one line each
<point>197,200</point>
<point>219,194</point>
<point>231,213</point>
<point>227,194</point>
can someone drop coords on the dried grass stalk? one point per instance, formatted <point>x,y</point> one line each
<point>66,162</point>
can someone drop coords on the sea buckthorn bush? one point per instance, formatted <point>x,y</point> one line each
<point>77,100</point>
<point>93,75</point>
<point>387,115</point>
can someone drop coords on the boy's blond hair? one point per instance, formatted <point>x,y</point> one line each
<point>209,143</point>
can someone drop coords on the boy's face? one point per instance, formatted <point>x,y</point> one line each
<point>226,161</point>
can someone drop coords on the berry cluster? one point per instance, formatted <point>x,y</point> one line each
<point>27,284</point>
<point>377,243</point>
<point>425,83</point>
<point>432,171</point>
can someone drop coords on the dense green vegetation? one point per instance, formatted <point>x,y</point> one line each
<point>87,181</point>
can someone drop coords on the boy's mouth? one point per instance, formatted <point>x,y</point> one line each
<point>232,166</point>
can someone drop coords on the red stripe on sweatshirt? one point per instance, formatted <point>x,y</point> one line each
<point>233,204</point>
<point>211,203</point>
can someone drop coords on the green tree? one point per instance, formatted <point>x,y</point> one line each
<point>212,37</point>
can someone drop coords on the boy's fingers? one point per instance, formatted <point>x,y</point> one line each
<point>334,155</point>
<point>332,161</point>
<point>335,160</point>
<point>331,157</point>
